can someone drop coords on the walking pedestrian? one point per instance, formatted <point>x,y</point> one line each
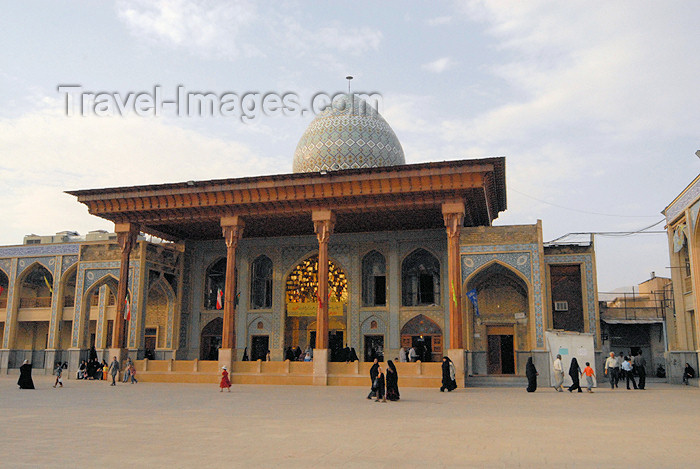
<point>373,372</point>
<point>225,381</point>
<point>612,369</point>
<point>531,373</point>
<point>132,374</point>
<point>588,371</point>
<point>58,372</point>
<point>25,376</point>
<point>575,373</point>
<point>392,382</point>
<point>127,367</point>
<point>448,375</point>
<point>558,374</point>
<point>629,374</point>
<point>114,370</point>
<point>379,385</point>
<point>641,365</point>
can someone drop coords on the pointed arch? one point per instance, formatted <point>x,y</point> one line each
<point>4,292</point>
<point>373,325</point>
<point>420,278</point>
<point>214,280</point>
<point>490,264</point>
<point>158,316</point>
<point>261,286</point>
<point>210,339</point>
<point>374,283</point>
<point>35,285</point>
<point>89,312</point>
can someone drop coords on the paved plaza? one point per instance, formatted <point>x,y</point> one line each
<point>91,424</point>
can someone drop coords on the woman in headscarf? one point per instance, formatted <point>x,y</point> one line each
<point>575,373</point>
<point>392,382</point>
<point>531,373</point>
<point>380,385</point>
<point>25,376</point>
<point>448,375</point>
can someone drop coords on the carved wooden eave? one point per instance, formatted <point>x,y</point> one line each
<point>376,199</point>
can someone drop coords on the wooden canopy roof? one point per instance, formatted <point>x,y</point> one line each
<point>376,199</point>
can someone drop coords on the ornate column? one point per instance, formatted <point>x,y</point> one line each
<point>453,214</point>
<point>232,228</point>
<point>126,237</point>
<point>323,226</point>
<point>324,221</point>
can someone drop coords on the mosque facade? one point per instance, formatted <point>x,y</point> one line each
<point>354,249</point>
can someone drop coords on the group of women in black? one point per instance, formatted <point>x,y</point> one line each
<point>574,373</point>
<point>384,386</point>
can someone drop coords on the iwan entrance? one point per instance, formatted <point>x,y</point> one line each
<point>501,353</point>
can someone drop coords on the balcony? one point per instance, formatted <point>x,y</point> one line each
<point>36,302</point>
<point>639,315</point>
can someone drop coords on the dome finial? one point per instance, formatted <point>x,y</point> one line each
<point>348,78</point>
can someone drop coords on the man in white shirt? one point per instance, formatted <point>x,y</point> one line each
<point>612,370</point>
<point>558,374</point>
<point>629,374</point>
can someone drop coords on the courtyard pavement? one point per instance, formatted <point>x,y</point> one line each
<point>91,424</point>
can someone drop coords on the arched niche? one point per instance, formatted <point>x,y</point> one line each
<point>424,335</point>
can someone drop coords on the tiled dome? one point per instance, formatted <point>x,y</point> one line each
<point>344,138</point>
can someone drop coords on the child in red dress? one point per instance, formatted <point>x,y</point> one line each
<point>225,382</point>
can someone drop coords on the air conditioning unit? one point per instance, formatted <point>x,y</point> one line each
<point>561,306</point>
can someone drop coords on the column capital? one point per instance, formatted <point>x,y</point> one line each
<point>126,235</point>
<point>324,222</point>
<point>232,228</point>
<point>453,224</point>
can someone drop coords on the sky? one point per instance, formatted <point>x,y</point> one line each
<point>595,105</point>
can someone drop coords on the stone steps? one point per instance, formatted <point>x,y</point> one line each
<point>499,381</point>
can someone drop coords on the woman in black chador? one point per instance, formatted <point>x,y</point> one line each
<point>448,375</point>
<point>379,385</point>
<point>392,382</point>
<point>25,376</point>
<point>531,373</point>
<point>575,373</point>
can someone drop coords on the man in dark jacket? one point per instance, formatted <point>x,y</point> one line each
<point>641,364</point>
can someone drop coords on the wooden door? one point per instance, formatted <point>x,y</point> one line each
<point>494,355</point>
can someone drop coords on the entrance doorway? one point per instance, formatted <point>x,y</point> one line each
<point>501,353</point>
<point>374,348</point>
<point>260,344</point>
<point>425,336</point>
<point>335,344</point>
<point>211,340</point>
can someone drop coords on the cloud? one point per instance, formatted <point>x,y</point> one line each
<point>45,153</point>
<point>231,30</point>
<point>203,26</point>
<point>439,21</point>
<point>440,65</point>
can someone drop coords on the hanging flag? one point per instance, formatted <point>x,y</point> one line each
<point>2,289</point>
<point>219,299</point>
<point>454,294</point>
<point>127,308</point>
<point>235,301</point>
<point>46,281</point>
<point>471,294</point>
